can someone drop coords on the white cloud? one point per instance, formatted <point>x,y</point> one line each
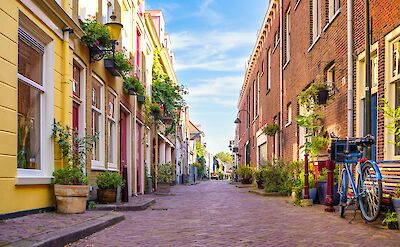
<point>206,13</point>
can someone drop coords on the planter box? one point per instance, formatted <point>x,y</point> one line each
<point>163,188</point>
<point>322,191</point>
<point>109,64</point>
<point>313,193</point>
<point>323,96</point>
<point>140,99</point>
<point>71,199</point>
<point>105,196</point>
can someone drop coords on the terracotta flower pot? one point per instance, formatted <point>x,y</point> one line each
<point>105,196</point>
<point>71,199</point>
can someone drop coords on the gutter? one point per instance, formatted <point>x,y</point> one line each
<point>281,2</point>
<point>350,66</point>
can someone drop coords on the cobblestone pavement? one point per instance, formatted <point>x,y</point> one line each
<point>218,214</point>
<point>13,230</point>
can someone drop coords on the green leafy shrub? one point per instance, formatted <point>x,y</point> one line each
<point>70,175</point>
<point>271,129</point>
<point>259,176</point>
<point>132,83</point>
<point>278,178</point>
<point>122,63</point>
<point>390,219</point>
<point>109,180</point>
<point>165,173</point>
<point>245,173</point>
<point>95,34</point>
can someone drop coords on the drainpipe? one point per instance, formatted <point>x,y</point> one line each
<point>350,66</point>
<point>66,78</point>
<point>281,79</point>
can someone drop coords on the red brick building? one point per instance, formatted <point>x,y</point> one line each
<point>306,41</point>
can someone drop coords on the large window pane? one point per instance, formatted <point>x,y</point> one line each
<point>96,130</point>
<point>397,150</point>
<point>30,61</point>
<point>28,127</point>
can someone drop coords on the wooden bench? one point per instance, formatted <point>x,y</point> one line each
<point>390,171</point>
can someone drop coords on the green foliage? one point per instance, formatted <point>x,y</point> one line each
<point>132,83</point>
<point>393,114</point>
<point>122,63</point>
<point>396,193</point>
<point>390,218</point>
<point>155,110</point>
<point>166,93</point>
<point>146,182</point>
<point>95,34</point>
<point>278,178</point>
<point>271,129</point>
<point>73,149</point>
<point>165,173</point>
<point>245,172</point>
<point>259,176</point>
<point>70,175</point>
<point>109,180</point>
<point>92,205</point>
<point>225,157</point>
<point>200,150</point>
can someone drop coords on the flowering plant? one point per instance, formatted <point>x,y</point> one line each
<point>122,63</point>
<point>95,33</point>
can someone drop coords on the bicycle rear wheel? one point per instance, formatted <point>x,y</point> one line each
<point>343,183</point>
<point>370,192</point>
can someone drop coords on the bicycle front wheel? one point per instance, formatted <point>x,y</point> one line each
<point>370,192</point>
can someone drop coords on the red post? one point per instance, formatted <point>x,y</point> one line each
<point>306,192</point>
<point>329,187</point>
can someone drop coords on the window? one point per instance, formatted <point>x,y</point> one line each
<point>374,70</point>
<point>316,19</point>
<point>396,59</point>
<point>257,92</point>
<point>30,93</point>
<point>287,36</point>
<point>107,10</point>
<point>289,114</point>
<point>97,124</point>
<point>276,139</point>
<point>330,79</point>
<point>87,9</point>
<point>333,8</point>
<point>112,130</point>
<point>262,154</point>
<point>268,86</point>
<point>276,38</point>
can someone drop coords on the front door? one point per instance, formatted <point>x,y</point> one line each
<point>138,157</point>
<point>124,157</point>
<point>374,122</point>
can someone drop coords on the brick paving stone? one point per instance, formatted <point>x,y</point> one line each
<point>13,230</point>
<point>218,214</point>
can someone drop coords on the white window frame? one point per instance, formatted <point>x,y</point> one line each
<point>289,114</point>
<point>99,164</point>
<point>330,79</point>
<point>334,8</point>
<point>113,165</point>
<point>390,87</point>
<point>258,94</point>
<point>269,70</point>
<point>87,9</point>
<point>287,34</point>
<point>107,10</point>
<point>316,22</point>
<point>44,174</point>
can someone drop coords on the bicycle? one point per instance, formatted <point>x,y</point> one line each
<point>367,191</point>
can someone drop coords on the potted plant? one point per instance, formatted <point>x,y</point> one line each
<point>322,178</point>
<point>95,34</point>
<point>132,86</point>
<point>108,183</point>
<point>396,202</point>
<point>70,182</point>
<point>259,176</point>
<point>165,177</point>
<point>118,63</point>
<point>155,111</point>
<point>246,174</point>
<point>323,93</point>
<point>391,220</point>
<point>312,190</point>
<point>271,129</point>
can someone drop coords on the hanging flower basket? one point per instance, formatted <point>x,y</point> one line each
<point>167,119</point>
<point>140,99</point>
<point>323,95</point>
<point>271,129</point>
<point>109,64</point>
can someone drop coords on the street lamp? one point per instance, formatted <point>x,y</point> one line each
<point>114,29</point>
<point>238,121</point>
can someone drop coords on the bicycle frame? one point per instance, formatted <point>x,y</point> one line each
<point>357,191</point>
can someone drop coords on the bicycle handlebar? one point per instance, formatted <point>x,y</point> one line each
<point>365,141</point>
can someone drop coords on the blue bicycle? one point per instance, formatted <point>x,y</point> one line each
<point>366,185</point>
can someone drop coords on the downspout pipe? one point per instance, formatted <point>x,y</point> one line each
<point>66,78</point>
<point>281,2</point>
<point>350,66</point>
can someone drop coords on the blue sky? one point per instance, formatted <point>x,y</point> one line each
<point>212,40</point>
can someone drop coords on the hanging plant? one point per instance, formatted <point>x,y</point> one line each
<point>155,111</point>
<point>121,62</point>
<point>271,129</point>
<point>95,34</point>
<point>133,86</point>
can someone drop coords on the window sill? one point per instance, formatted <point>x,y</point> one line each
<point>33,180</point>
<point>313,44</point>
<point>252,122</point>
<point>331,20</point>
<point>97,167</point>
<point>277,44</point>
<point>297,4</point>
<point>268,90</point>
<point>286,64</point>
<point>288,124</point>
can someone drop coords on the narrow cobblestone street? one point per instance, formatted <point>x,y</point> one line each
<point>216,213</point>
